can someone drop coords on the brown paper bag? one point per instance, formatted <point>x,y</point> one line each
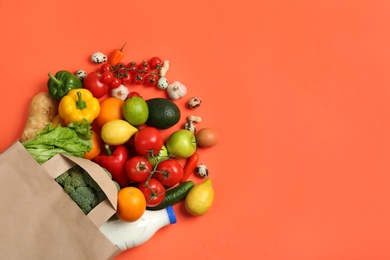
<point>39,220</point>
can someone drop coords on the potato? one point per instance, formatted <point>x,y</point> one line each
<point>43,108</point>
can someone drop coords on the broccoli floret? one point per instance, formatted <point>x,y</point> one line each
<point>79,185</point>
<point>92,183</point>
<point>84,197</point>
<point>61,179</point>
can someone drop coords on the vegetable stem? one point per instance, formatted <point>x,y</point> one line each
<point>108,150</point>
<point>56,81</point>
<point>121,49</point>
<point>80,103</point>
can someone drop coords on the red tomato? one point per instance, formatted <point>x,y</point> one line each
<point>150,80</point>
<point>105,67</point>
<point>138,79</point>
<point>144,66</point>
<point>153,190</point>
<point>132,68</point>
<point>94,83</point>
<point>155,63</point>
<point>134,94</point>
<point>126,78</point>
<point>169,172</point>
<point>107,76</point>
<point>138,168</point>
<point>116,82</point>
<point>148,140</point>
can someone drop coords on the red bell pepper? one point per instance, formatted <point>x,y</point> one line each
<point>115,162</point>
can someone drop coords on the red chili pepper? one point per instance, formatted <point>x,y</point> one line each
<point>190,166</point>
<point>115,163</point>
<point>116,56</point>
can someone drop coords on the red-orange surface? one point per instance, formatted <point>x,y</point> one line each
<point>298,90</point>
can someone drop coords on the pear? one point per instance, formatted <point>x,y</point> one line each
<point>200,198</point>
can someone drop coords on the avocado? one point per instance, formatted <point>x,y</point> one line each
<point>163,113</point>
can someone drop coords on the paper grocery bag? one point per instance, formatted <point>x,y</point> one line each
<point>39,220</point>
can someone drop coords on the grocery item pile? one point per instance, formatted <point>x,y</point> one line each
<point>94,115</point>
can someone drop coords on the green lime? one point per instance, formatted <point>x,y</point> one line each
<point>135,111</point>
<point>163,113</point>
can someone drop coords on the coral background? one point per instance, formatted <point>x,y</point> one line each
<point>298,90</point>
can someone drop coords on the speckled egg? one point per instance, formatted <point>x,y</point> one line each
<point>81,74</point>
<point>202,170</point>
<point>162,83</point>
<point>189,125</point>
<point>98,57</point>
<point>194,102</point>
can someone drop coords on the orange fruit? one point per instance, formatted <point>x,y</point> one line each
<point>131,204</point>
<point>110,108</point>
<point>96,147</point>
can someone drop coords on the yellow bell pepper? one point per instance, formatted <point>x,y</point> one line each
<point>78,104</point>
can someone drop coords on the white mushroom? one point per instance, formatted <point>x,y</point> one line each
<point>176,90</point>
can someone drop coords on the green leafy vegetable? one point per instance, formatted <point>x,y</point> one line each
<point>80,186</point>
<point>74,139</point>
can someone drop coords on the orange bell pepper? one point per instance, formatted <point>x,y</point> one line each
<point>116,56</point>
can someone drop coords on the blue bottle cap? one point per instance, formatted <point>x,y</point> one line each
<point>171,214</point>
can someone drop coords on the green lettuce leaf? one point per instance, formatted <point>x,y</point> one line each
<point>74,139</point>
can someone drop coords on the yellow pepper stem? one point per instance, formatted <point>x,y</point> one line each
<point>80,104</point>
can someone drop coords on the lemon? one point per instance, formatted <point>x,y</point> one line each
<point>200,198</point>
<point>135,110</point>
<point>117,132</point>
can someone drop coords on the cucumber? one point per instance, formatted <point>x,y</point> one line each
<point>174,195</point>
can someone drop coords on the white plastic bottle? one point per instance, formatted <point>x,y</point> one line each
<point>126,235</point>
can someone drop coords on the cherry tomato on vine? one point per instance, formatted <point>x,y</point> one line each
<point>155,63</point>
<point>153,190</point>
<point>138,168</point>
<point>138,79</point>
<point>105,67</point>
<point>120,66</point>
<point>132,67</point>
<point>116,82</point>
<point>169,172</point>
<point>126,79</point>
<point>148,140</point>
<point>144,66</point>
<point>150,80</point>
<point>107,76</point>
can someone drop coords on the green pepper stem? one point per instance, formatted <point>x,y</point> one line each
<point>108,150</point>
<point>55,80</point>
<point>80,103</point>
